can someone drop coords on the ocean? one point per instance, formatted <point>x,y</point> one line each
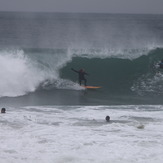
<point>50,118</point>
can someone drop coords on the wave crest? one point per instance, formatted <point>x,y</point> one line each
<point>18,74</point>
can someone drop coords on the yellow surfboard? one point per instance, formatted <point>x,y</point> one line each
<point>91,87</point>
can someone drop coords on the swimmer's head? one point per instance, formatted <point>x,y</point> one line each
<point>3,110</point>
<point>107,118</point>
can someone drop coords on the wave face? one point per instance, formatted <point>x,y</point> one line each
<point>121,74</point>
<point>118,51</point>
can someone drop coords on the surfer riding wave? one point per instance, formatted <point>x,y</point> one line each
<point>81,74</point>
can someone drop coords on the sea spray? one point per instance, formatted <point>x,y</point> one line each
<point>19,74</point>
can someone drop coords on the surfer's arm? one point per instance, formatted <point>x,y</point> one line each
<point>74,70</point>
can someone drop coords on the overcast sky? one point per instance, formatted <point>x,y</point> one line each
<point>95,6</point>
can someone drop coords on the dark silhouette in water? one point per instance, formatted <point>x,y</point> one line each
<point>107,118</point>
<point>81,74</point>
<point>3,110</point>
<point>161,64</point>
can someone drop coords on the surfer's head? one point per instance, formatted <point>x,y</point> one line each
<point>3,110</point>
<point>81,70</point>
<point>107,118</point>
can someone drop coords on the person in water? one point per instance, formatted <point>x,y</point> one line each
<point>107,118</point>
<point>161,64</point>
<point>3,110</point>
<point>81,74</point>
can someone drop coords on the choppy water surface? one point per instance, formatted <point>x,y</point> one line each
<point>81,134</point>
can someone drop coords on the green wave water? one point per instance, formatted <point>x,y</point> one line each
<point>115,75</point>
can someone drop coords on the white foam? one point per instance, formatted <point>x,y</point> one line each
<point>149,84</point>
<point>21,73</point>
<point>80,134</point>
<point>18,75</point>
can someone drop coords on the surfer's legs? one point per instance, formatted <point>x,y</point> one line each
<point>85,82</point>
<point>80,82</point>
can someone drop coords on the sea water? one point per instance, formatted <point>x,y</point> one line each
<point>50,118</point>
<point>81,134</point>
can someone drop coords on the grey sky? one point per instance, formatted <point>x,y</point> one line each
<point>102,6</point>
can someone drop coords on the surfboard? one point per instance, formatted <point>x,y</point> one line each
<point>91,87</point>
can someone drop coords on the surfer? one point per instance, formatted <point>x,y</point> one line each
<point>81,74</point>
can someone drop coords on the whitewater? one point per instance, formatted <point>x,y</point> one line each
<point>80,134</point>
<point>50,118</point>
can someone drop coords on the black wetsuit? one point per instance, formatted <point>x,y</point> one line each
<point>161,65</point>
<point>81,74</point>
